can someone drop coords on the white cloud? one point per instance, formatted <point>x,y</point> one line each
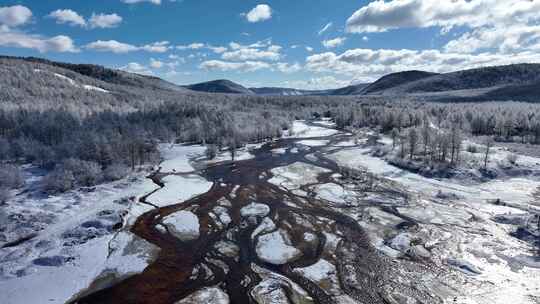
<point>156,47</point>
<point>325,28</point>
<point>158,2</point>
<point>508,39</point>
<point>380,16</point>
<point>134,67</point>
<point>217,49</point>
<point>156,64</point>
<point>317,83</point>
<point>111,46</point>
<point>365,38</point>
<point>41,44</point>
<point>192,46</point>
<point>122,48</point>
<point>496,32</point>
<point>367,63</point>
<point>262,50</point>
<point>16,15</point>
<point>309,49</point>
<point>248,66</point>
<point>198,46</point>
<point>259,13</point>
<point>332,43</point>
<point>104,20</point>
<point>67,16</point>
<point>288,68</point>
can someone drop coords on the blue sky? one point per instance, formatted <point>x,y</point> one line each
<point>273,43</point>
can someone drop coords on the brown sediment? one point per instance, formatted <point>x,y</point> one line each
<point>171,277</point>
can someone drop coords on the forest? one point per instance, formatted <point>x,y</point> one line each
<point>85,150</point>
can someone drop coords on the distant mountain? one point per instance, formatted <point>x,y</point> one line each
<point>220,86</point>
<point>110,76</point>
<point>518,78</point>
<point>39,83</point>
<point>273,91</point>
<point>395,79</point>
<point>356,89</point>
<point>35,83</point>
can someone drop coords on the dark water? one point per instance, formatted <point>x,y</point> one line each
<point>170,278</point>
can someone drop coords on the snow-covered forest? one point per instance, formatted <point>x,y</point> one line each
<point>84,150</point>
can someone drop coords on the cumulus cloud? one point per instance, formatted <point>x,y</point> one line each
<point>367,63</point>
<point>248,66</point>
<point>318,83</point>
<point>217,49</point>
<point>496,32</point>
<point>117,47</point>
<point>507,39</point>
<point>134,67</point>
<point>111,46</point>
<point>104,20</point>
<point>252,54</point>
<point>14,16</point>
<point>67,16</point>
<point>325,28</point>
<point>156,47</point>
<point>198,46</point>
<point>259,13</point>
<point>288,68</point>
<point>41,44</point>
<point>260,50</point>
<point>156,64</point>
<point>333,43</point>
<point>192,46</point>
<point>380,15</point>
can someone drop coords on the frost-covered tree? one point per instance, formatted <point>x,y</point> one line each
<point>412,137</point>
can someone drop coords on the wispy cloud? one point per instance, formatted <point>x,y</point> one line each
<point>325,28</point>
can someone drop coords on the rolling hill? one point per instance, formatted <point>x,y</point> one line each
<point>220,86</point>
<point>34,82</point>
<point>356,89</point>
<point>394,80</point>
<point>517,82</point>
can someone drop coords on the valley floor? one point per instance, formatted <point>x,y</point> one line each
<point>314,217</point>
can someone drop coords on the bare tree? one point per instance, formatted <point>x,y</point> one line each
<point>413,141</point>
<point>489,144</point>
<point>455,143</point>
<point>211,151</point>
<point>395,136</point>
<point>426,137</point>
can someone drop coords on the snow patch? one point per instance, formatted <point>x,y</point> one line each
<point>301,129</point>
<point>183,225</point>
<point>211,295</point>
<point>296,175</point>
<point>314,143</point>
<point>318,271</point>
<point>255,209</point>
<point>179,189</point>
<point>275,248</point>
